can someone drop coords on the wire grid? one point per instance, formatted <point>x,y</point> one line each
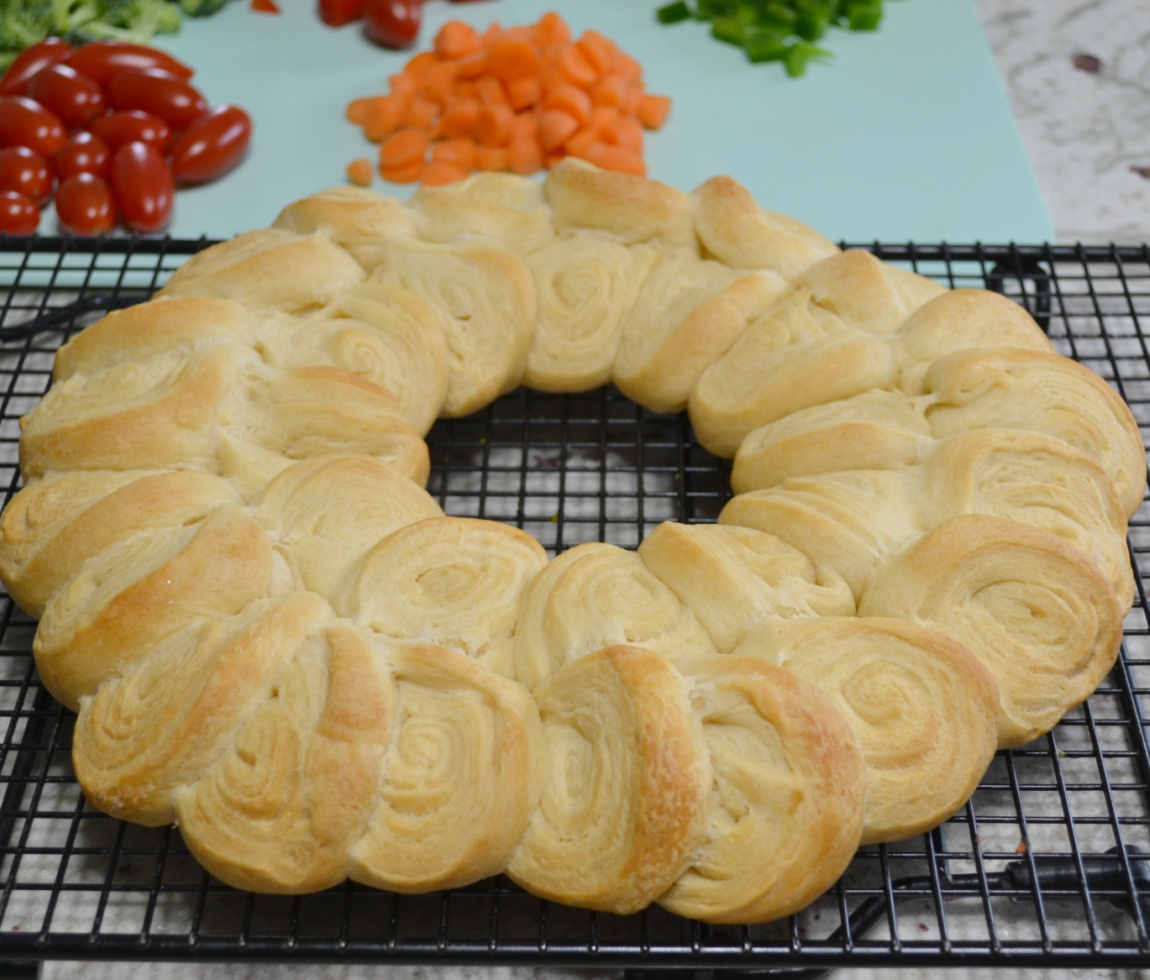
<point>76,884</point>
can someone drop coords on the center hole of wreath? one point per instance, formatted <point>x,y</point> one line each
<point>569,469</point>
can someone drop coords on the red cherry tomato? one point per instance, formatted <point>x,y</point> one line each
<point>82,153</point>
<point>50,51</point>
<point>18,213</point>
<point>132,126</point>
<point>143,186</point>
<point>27,123</point>
<point>212,145</point>
<point>161,94</point>
<point>393,23</point>
<point>265,7</point>
<point>26,172</point>
<point>336,13</point>
<point>75,98</point>
<point>84,205</point>
<point>101,60</point>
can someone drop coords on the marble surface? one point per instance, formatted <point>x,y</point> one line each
<point>1087,132</point>
<point>1088,135</point>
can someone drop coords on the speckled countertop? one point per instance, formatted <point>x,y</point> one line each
<point>1078,76</point>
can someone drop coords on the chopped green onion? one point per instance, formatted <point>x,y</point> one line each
<point>762,45</point>
<point>673,13</point>
<point>729,29</point>
<point>864,16</point>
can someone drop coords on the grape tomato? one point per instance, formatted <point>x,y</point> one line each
<point>132,126</point>
<point>212,145</point>
<point>157,92</point>
<point>82,153</point>
<point>84,205</point>
<point>393,23</point>
<point>27,123</point>
<point>102,60</point>
<point>75,98</point>
<point>18,213</point>
<point>143,187</point>
<point>50,51</point>
<point>336,13</point>
<point>26,172</point>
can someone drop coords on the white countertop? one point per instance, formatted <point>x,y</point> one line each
<point>1084,133</point>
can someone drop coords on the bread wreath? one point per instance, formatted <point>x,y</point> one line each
<point>275,639</point>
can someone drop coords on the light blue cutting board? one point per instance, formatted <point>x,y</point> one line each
<point>905,135</point>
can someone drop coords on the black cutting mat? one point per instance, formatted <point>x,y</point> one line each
<point>1045,865</point>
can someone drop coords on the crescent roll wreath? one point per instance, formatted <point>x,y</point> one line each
<point>275,639</point>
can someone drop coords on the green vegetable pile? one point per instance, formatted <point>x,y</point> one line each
<point>25,22</point>
<point>776,30</point>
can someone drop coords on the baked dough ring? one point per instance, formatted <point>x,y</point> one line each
<point>326,513</point>
<point>923,708</point>
<point>628,777</point>
<point>786,806</point>
<point>462,777</point>
<point>1026,389</point>
<point>1035,610</point>
<point>597,595</point>
<point>454,581</point>
<point>485,299</point>
<point>280,809</point>
<point>585,287</point>
<point>733,578</point>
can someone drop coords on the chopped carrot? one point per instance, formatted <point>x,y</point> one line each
<point>575,67</point>
<point>471,67</point>
<point>459,120</point>
<point>265,6</point>
<point>421,114</point>
<point>552,29</point>
<point>403,149</point>
<point>626,67</point>
<point>524,156</point>
<point>609,90</point>
<point>571,100</point>
<point>439,86</point>
<point>598,51</point>
<point>456,40</point>
<point>653,110</point>
<point>491,158</point>
<point>603,116</point>
<point>625,132</point>
<point>526,124</point>
<point>555,128</point>
<point>509,58</point>
<point>383,117</point>
<point>493,125</point>
<point>359,171</point>
<point>491,91</point>
<point>402,88</point>
<point>617,159</point>
<point>631,100</point>
<point>419,66</point>
<point>358,110</point>
<point>519,98</point>
<point>582,141</point>
<point>403,175</point>
<point>459,152</point>
<point>437,173</point>
<point>523,93</point>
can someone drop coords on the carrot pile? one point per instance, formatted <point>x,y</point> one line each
<point>519,99</point>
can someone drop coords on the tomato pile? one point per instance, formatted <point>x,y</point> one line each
<point>113,127</point>
<point>392,23</point>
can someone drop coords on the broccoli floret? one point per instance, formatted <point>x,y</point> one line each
<point>24,22</point>
<point>136,21</point>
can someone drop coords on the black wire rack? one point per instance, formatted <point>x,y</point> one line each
<point>1047,865</point>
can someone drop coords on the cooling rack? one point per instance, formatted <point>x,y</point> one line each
<point>1047,865</point>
